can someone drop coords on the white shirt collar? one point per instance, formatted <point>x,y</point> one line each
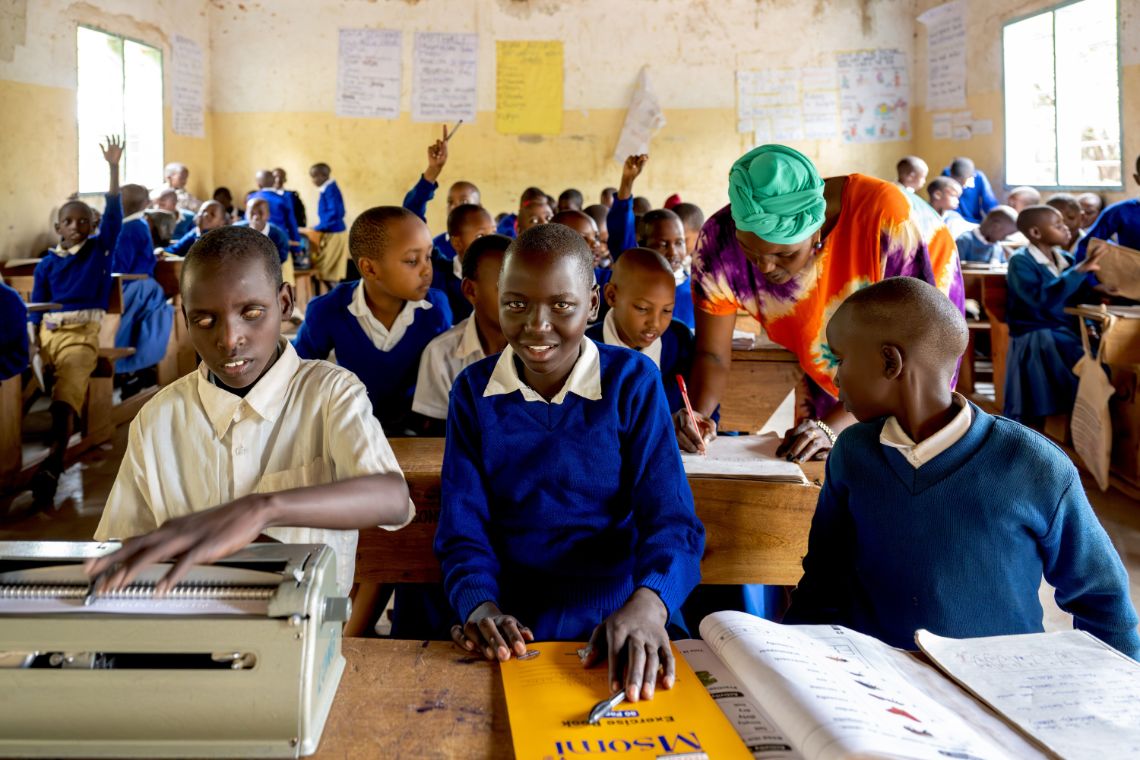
<point>327,182</point>
<point>134,216</point>
<point>457,267</point>
<point>266,398</point>
<point>382,337</point>
<point>1051,260</point>
<point>469,343</point>
<point>65,252</point>
<point>585,379</point>
<point>978,234</point>
<point>919,454</point>
<point>611,338</point>
<point>264,230</point>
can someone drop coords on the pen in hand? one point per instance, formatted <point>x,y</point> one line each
<point>689,409</point>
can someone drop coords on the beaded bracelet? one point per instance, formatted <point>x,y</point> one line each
<point>826,430</point>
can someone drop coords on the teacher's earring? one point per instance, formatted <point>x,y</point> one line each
<point>817,245</point>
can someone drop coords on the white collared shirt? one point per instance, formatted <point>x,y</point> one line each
<point>585,379</point>
<point>1051,260</point>
<point>447,355</point>
<point>196,445</point>
<point>611,338</point>
<point>457,267</point>
<point>65,252</point>
<point>919,454</point>
<point>326,183</point>
<point>134,216</point>
<point>384,338</point>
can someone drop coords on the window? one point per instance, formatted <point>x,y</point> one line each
<point>1062,97</point>
<point>119,93</point>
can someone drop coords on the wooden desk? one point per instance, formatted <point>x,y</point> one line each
<point>989,287</point>
<point>40,307</point>
<point>758,382</point>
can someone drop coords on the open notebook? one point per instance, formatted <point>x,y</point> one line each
<point>744,457</point>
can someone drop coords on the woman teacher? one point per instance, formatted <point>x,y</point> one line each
<point>788,249</point>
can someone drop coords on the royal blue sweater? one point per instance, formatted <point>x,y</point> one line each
<point>683,305</point>
<point>622,226</point>
<point>977,200</point>
<point>508,226</point>
<point>416,199</point>
<point>1037,299</point>
<point>444,246</point>
<point>82,281</point>
<point>444,280</point>
<point>13,333</point>
<point>134,250</point>
<point>184,225</point>
<point>1120,221</point>
<point>183,244</point>
<point>677,349</point>
<point>280,212</point>
<point>389,376</point>
<point>959,545</point>
<point>330,209</point>
<point>563,510</point>
<point>276,235</point>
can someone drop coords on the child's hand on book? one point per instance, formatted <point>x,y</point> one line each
<point>635,637</point>
<point>496,635</point>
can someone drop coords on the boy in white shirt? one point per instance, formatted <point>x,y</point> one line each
<point>256,440</point>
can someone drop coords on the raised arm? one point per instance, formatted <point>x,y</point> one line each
<point>620,218</point>
<point>424,190</point>
<point>112,221</point>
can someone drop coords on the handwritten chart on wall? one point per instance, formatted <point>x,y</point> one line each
<point>780,105</point>
<point>874,96</point>
<point>187,101</point>
<point>528,87</point>
<point>443,77</point>
<point>368,73</point>
<point>945,56</point>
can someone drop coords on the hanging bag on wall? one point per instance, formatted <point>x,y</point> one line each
<point>1092,424</point>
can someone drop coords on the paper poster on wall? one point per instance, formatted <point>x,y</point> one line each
<point>443,77</point>
<point>942,126</point>
<point>945,55</point>
<point>187,102</point>
<point>982,127</point>
<point>874,90</point>
<point>767,102</point>
<point>528,87</point>
<point>820,111</point>
<point>369,65</point>
<point>642,119</point>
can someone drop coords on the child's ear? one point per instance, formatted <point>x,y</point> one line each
<point>285,300</point>
<point>595,303</point>
<point>467,288</point>
<point>367,267</point>
<point>610,294</point>
<point>892,361</point>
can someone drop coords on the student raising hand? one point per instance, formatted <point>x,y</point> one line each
<point>437,157</point>
<point>495,634</point>
<point>635,637</point>
<point>113,150</point>
<point>630,171</point>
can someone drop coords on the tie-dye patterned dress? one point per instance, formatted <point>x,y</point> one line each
<point>882,232</point>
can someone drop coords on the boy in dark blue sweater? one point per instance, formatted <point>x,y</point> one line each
<point>210,216</point>
<point>134,249</point>
<point>77,275</point>
<point>379,325</point>
<point>466,223</point>
<point>935,514</point>
<point>564,502</point>
<point>280,207</point>
<point>621,221</point>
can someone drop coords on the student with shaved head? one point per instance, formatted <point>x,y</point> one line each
<point>935,514</point>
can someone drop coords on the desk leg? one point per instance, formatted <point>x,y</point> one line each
<point>11,425</point>
<point>999,347</point>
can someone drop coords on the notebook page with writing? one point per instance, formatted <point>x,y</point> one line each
<point>838,694</point>
<point>1067,689</point>
<point>743,457</point>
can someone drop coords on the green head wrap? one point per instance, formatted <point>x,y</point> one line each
<point>776,194</point>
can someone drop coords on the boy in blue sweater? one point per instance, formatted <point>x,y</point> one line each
<point>935,514</point>
<point>13,332</point>
<point>983,243</point>
<point>977,197</point>
<point>1119,222</point>
<point>663,231</point>
<point>210,216</point>
<point>134,249</point>
<point>466,223</point>
<point>379,325</point>
<point>77,275</point>
<point>565,511</point>
<point>329,236</point>
<point>280,207</point>
<point>459,194</point>
<point>621,220</point>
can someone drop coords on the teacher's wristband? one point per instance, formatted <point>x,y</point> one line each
<point>826,430</point>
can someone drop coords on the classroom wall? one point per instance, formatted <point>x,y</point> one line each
<point>37,90</point>
<point>984,94</point>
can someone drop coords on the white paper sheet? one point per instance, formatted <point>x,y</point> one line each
<point>642,119</point>
<point>942,126</point>
<point>368,73</point>
<point>821,115</point>
<point>945,55</point>
<point>874,90</point>
<point>444,77</point>
<point>982,127</point>
<point>1070,691</point>
<point>187,101</point>
<point>743,457</point>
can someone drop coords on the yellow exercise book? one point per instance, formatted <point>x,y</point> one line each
<point>550,694</point>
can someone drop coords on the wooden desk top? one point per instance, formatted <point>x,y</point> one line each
<point>408,699</point>
<point>42,306</point>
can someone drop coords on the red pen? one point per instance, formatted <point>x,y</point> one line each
<point>689,409</point>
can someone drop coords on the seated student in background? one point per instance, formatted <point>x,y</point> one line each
<point>167,200</point>
<point>1119,222</point>
<point>977,196</point>
<point>534,209</point>
<point>570,200</point>
<point>622,219</point>
<point>134,249</point>
<point>983,243</point>
<point>944,194</point>
<point>1071,212</point>
<point>693,219</point>
<point>210,216</point>
<point>379,325</point>
<point>935,514</point>
<point>76,274</point>
<point>1091,206</point>
<point>312,466</point>
<point>474,338</point>
<point>1043,341</point>
<point>602,258</point>
<point>279,180</point>
<point>565,512</point>
<point>911,172</point>
<point>466,223</point>
<point>641,295</point>
<point>280,207</point>
<point>1021,198</point>
<point>223,196</point>
<point>662,231</point>
<point>257,218</point>
<point>329,237</point>
<point>606,198</point>
<point>14,355</point>
<point>584,225</point>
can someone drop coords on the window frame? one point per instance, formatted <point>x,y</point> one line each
<point>162,78</point>
<point>1119,104</point>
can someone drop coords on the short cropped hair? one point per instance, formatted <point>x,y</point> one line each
<point>369,236</point>
<point>555,241</point>
<point>1062,201</point>
<point>691,215</point>
<point>1032,217</point>
<point>942,184</point>
<point>482,247</point>
<point>460,214</point>
<point>962,167</point>
<point>321,167</point>
<point>572,196</point>
<point>598,213</point>
<point>917,315</point>
<point>231,245</point>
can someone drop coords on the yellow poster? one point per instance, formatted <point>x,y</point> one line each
<point>549,696</point>
<point>528,87</point>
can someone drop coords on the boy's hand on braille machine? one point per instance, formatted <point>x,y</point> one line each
<point>495,635</point>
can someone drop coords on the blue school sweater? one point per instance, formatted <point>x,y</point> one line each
<point>973,248</point>
<point>622,225</point>
<point>276,234</point>
<point>558,512</point>
<point>959,545</point>
<point>444,246</point>
<point>1120,221</point>
<point>978,200</point>
<point>330,209</point>
<point>13,333</point>
<point>389,376</point>
<point>82,281</point>
<point>683,306</point>
<point>134,250</point>
<point>183,244</point>
<point>184,225</point>
<point>1037,299</point>
<point>677,348</point>
<point>280,212</point>
<point>508,226</point>
<point>444,280</point>
<point>417,198</point>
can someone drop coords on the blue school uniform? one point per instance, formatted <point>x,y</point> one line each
<point>183,244</point>
<point>508,226</point>
<point>280,212</point>
<point>972,247</point>
<point>443,244</point>
<point>622,225</point>
<point>977,199</point>
<point>416,199</point>
<point>559,511</point>
<point>1043,341</point>
<point>1119,222</point>
<point>683,306</point>
<point>82,280</point>
<point>444,279</point>
<point>389,375</point>
<point>276,235</point>
<point>330,209</point>
<point>134,250</point>
<point>677,349</point>
<point>184,225</point>
<point>13,333</point>
<point>145,325</point>
<point>959,545</point>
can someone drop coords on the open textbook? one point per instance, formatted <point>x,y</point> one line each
<point>826,692</point>
<point>743,457</point>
